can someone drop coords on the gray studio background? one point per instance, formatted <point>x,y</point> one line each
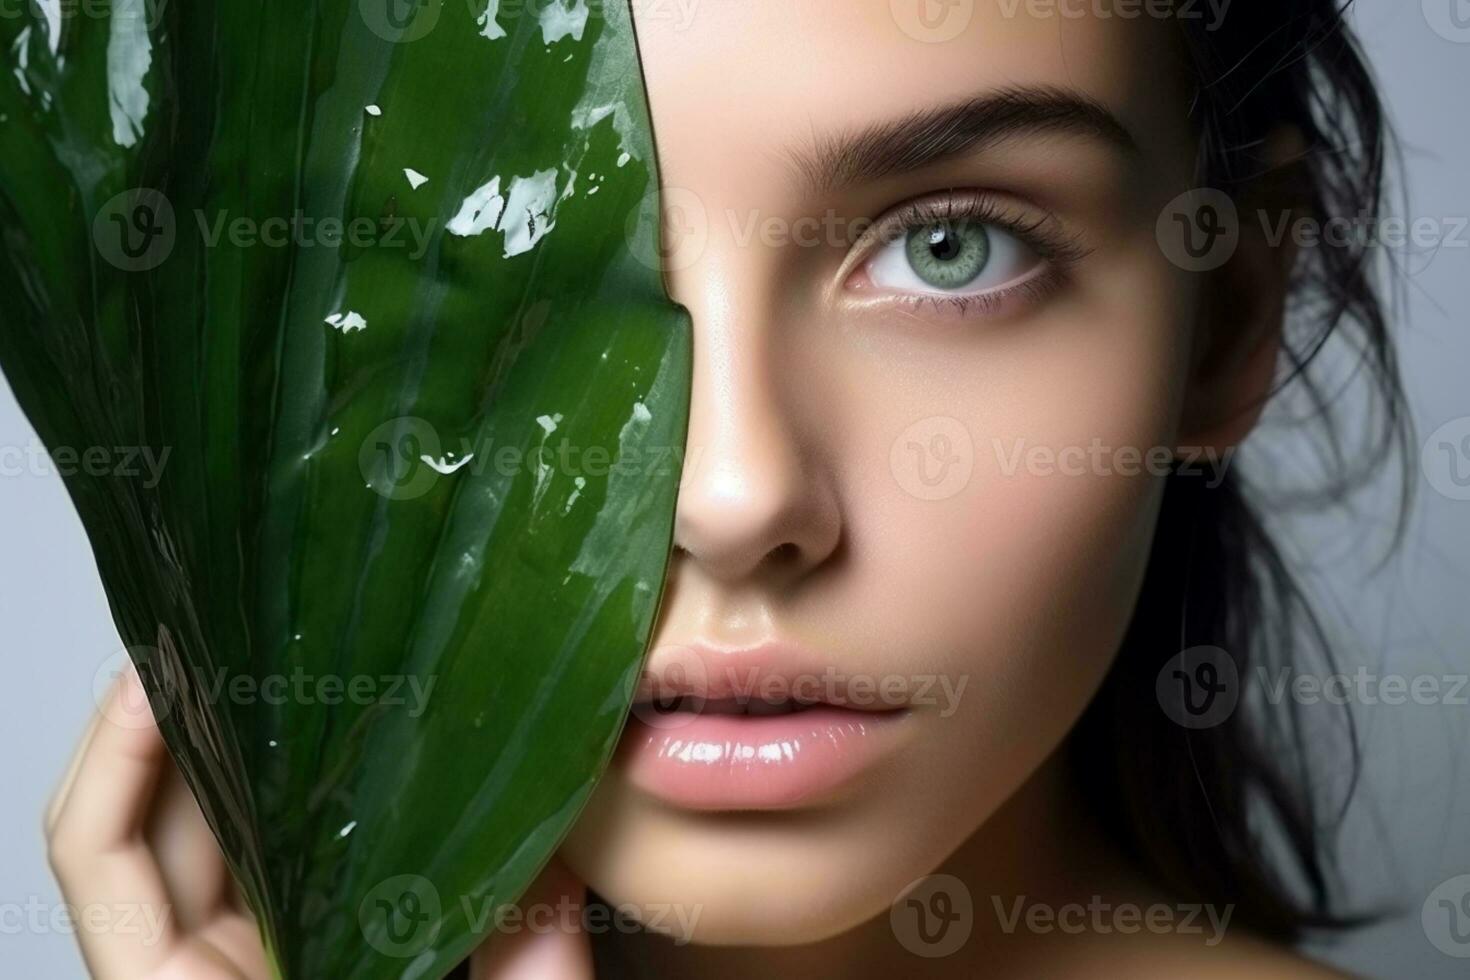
<point>1409,831</point>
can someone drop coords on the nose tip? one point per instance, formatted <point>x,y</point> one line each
<point>749,504</point>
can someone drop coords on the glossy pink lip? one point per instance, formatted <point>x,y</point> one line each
<point>704,755</point>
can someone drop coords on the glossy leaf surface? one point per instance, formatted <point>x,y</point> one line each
<point>375,280</point>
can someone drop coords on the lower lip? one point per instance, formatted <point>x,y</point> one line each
<point>749,762</point>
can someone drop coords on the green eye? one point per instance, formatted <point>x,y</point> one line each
<point>948,254</point>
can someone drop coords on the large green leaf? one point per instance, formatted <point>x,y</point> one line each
<point>298,537</point>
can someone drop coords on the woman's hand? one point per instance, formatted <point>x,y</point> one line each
<point>563,952</point>
<point>125,834</point>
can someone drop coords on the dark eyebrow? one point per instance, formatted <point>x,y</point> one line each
<point>926,137</point>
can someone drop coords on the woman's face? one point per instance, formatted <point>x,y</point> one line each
<point>932,327</point>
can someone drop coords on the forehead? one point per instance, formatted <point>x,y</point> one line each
<point>736,86</point>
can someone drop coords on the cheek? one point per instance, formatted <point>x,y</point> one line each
<point>1016,570</point>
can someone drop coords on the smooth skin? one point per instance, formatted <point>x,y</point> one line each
<point>813,358</point>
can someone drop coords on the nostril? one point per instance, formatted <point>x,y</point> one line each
<point>785,553</point>
<point>762,517</point>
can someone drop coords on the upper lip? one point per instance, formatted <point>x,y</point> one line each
<point>774,671</point>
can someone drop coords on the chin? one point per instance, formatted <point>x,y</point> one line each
<point>729,900</point>
<point>778,878</point>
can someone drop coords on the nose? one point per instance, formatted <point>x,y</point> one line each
<point>755,499</point>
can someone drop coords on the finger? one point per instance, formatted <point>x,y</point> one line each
<point>237,938</point>
<point>194,871</point>
<point>550,940</point>
<point>125,918</point>
<point>53,809</point>
<point>110,794</point>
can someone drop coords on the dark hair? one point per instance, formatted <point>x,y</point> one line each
<point>1238,812</point>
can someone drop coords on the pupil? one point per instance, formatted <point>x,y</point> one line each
<point>943,245</point>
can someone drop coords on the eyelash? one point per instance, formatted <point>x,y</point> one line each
<point>1058,250</point>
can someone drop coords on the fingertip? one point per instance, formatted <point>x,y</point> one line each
<point>549,940</point>
<point>557,880</point>
<point>127,707</point>
<point>130,684</point>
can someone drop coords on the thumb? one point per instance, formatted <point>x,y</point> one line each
<point>549,940</point>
